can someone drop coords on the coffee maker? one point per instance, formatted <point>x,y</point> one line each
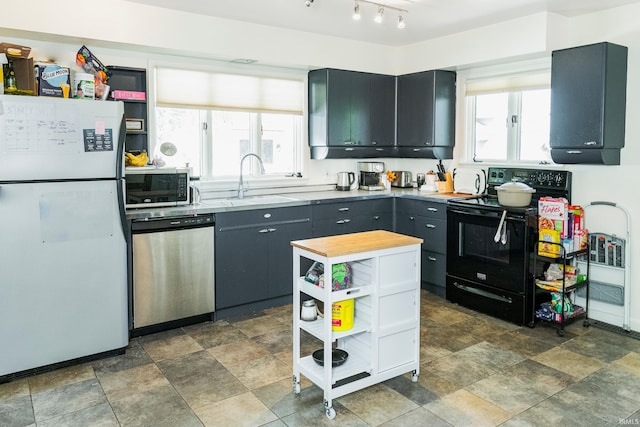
<point>369,175</point>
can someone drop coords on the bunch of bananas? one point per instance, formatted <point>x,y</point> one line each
<point>131,159</point>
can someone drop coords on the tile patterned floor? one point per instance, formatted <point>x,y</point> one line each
<point>475,371</point>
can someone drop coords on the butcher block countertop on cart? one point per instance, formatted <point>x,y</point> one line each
<point>380,339</point>
<point>347,244</point>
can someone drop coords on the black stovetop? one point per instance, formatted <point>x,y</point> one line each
<point>552,183</point>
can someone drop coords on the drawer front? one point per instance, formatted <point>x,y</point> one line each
<point>257,217</point>
<point>433,210</point>
<point>422,208</point>
<point>333,227</point>
<point>434,268</point>
<point>434,233</point>
<point>349,209</point>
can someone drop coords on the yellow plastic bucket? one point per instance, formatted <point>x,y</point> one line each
<point>342,315</point>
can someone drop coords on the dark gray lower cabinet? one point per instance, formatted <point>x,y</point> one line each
<point>428,221</point>
<point>352,216</point>
<point>253,253</point>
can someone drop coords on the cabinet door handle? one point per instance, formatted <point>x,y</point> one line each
<point>416,149</point>
<point>432,209</point>
<point>590,143</point>
<point>376,217</point>
<point>271,230</point>
<point>412,218</point>
<point>343,209</point>
<point>430,258</point>
<point>348,149</point>
<point>379,149</point>
<point>264,230</point>
<point>340,221</point>
<point>374,143</point>
<point>346,221</point>
<point>430,226</point>
<point>349,143</point>
<point>574,152</point>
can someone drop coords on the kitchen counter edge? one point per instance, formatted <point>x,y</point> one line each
<point>290,199</point>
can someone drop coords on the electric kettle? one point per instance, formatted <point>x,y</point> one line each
<point>345,181</point>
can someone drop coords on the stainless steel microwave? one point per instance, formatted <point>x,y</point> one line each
<point>148,187</point>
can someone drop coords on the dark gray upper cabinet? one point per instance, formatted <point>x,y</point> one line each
<point>351,114</point>
<point>426,114</point>
<point>588,101</point>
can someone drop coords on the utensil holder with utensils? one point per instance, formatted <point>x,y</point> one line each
<point>446,186</point>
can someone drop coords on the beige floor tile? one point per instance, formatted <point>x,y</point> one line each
<point>507,392</point>
<point>377,404</point>
<point>13,389</point>
<point>629,363</point>
<point>60,377</point>
<point>132,381</point>
<point>238,411</point>
<point>264,324</point>
<point>259,372</point>
<point>238,352</point>
<point>566,361</point>
<point>463,408</point>
<point>171,347</point>
<point>420,417</point>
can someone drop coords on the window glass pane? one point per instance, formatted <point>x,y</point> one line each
<point>231,138</point>
<point>490,126</point>
<point>182,128</point>
<point>279,136</point>
<point>534,125</point>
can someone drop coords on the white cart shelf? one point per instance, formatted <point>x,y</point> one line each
<point>384,341</point>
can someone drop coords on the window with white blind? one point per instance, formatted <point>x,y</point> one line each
<point>216,118</point>
<point>508,117</point>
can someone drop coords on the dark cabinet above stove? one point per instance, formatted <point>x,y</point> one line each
<point>588,101</point>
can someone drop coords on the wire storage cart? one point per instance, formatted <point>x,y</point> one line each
<point>609,259</point>
<point>561,307</point>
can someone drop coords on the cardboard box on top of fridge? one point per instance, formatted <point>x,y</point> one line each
<point>52,80</point>
<point>22,65</point>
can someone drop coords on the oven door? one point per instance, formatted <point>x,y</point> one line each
<point>474,255</point>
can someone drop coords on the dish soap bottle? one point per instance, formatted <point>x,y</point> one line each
<point>10,82</point>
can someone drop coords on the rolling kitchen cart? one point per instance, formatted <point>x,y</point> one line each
<point>384,341</point>
<point>609,256</point>
<point>546,311</point>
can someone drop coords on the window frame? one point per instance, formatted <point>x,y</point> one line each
<point>537,66</point>
<point>206,148</point>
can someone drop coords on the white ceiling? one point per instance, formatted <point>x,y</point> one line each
<point>425,19</point>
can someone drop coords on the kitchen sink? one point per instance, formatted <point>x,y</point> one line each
<point>250,200</point>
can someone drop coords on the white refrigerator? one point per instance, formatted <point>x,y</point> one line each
<point>63,250</point>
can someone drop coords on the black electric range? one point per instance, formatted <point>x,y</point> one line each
<point>488,257</point>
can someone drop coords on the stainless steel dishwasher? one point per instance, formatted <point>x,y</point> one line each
<point>173,269</point>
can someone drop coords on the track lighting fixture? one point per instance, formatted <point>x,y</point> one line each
<point>356,11</point>
<point>308,3</point>
<point>380,14</point>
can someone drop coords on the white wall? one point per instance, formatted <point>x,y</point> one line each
<point>135,35</point>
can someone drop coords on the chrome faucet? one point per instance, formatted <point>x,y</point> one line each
<point>241,188</point>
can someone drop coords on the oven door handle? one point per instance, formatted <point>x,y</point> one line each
<point>483,213</point>
<point>482,293</point>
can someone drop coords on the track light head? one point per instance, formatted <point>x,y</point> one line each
<point>378,18</point>
<point>356,11</point>
<point>308,3</point>
<point>400,21</point>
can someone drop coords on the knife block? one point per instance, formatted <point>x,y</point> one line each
<point>446,186</point>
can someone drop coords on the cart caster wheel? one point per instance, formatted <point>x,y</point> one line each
<point>531,324</point>
<point>331,413</point>
<point>560,332</point>
<point>585,323</point>
<point>414,377</point>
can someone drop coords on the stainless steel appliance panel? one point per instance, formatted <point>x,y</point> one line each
<point>173,273</point>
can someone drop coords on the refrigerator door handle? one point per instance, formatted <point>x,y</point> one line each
<point>120,152</point>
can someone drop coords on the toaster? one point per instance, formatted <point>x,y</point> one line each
<point>403,179</point>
